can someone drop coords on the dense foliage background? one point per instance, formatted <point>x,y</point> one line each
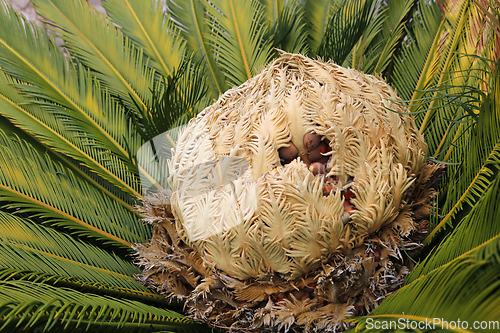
<point>74,114</point>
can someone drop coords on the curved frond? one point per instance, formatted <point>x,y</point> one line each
<point>288,29</point>
<point>93,39</point>
<point>465,289</point>
<point>475,229</point>
<point>145,23</point>
<point>317,14</point>
<point>474,191</point>
<point>412,66</point>
<point>9,274</point>
<point>397,12</point>
<point>26,246</point>
<point>37,307</point>
<point>191,19</point>
<point>463,23</point>
<point>360,56</point>
<point>477,150</point>
<point>345,27</point>
<point>37,185</point>
<point>82,121</point>
<point>237,31</point>
<point>171,107</point>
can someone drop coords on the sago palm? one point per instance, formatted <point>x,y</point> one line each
<point>72,183</point>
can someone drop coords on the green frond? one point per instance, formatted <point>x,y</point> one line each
<point>191,19</point>
<point>397,12</point>
<point>170,107</point>
<point>345,27</point>
<point>476,228</point>
<point>467,288</point>
<point>360,56</point>
<point>93,39</point>
<point>272,9</point>
<point>412,66</point>
<point>38,186</point>
<point>169,111</point>
<point>26,246</point>
<point>36,307</point>
<point>316,15</point>
<point>477,150</point>
<point>288,28</point>
<point>145,23</point>
<point>63,134</point>
<point>456,25</point>
<point>28,54</point>
<point>148,297</point>
<point>381,38</point>
<point>237,32</point>
<point>78,104</point>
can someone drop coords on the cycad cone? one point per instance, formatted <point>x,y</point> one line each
<point>249,241</point>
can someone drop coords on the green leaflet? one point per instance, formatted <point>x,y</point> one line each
<point>37,185</point>
<point>27,246</point>
<point>92,38</point>
<point>412,65</point>
<point>237,34</point>
<point>83,121</point>
<point>143,22</point>
<point>317,14</point>
<point>190,17</point>
<point>345,27</point>
<point>38,307</point>
<point>476,228</point>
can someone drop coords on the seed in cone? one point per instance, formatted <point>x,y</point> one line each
<point>289,152</point>
<point>311,140</point>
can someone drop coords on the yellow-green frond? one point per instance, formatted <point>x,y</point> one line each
<point>40,187</point>
<point>93,39</point>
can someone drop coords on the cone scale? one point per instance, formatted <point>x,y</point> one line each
<point>292,200</point>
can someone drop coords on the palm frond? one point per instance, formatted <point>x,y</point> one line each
<point>360,55</point>
<point>345,27</point>
<point>146,25</point>
<point>191,19</point>
<point>397,14</point>
<point>93,39</point>
<point>37,307</point>
<point>171,108</point>
<point>77,106</point>
<point>473,230</point>
<point>287,25</point>
<point>238,29</point>
<point>465,289</point>
<point>148,297</point>
<point>40,187</point>
<point>459,16</point>
<point>316,15</point>
<point>27,246</point>
<point>47,128</point>
<point>412,65</point>
<point>477,150</point>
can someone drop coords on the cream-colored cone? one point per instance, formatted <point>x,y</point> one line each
<point>249,239</point>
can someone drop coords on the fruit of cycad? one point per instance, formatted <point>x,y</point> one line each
<point>292,197</point>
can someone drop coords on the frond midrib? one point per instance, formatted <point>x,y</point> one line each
<point>66,216</point>
<point>81,152</point>
<point>68,100</point>
<point>484,169</point>
<point>240,42</point>
<point>205,51</point>
<point>103,57</point>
